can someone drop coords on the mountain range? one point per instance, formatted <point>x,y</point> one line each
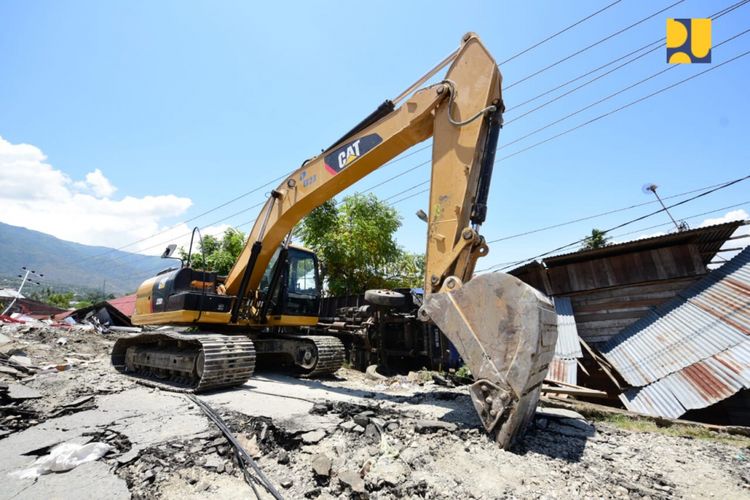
<point>65,264</point>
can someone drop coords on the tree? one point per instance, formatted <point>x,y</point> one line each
<point>220,254</point>
<point>598,239</point>
<point>355,242</point>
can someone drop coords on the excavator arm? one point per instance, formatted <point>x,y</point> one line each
<point>463,113</point>
<point>504,330</point>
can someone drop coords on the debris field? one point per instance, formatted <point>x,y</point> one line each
<point>348,436</point>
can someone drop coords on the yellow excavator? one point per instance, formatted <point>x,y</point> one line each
<point>504,330</point>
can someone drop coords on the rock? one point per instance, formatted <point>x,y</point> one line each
<point>213,462</point>
<point>351,479</point>
<point>321,465</point>
<point>378,422</point>
<point>392,426</point>
<point>347,426</point>
<point>319,409</point>
<point>363,418</point>
<point>390,473</point>
<point>429,426</point>
<point>313,437</point>
<point>283,457</point>
<point>286,483</point>
<point>372,433</point>
<point>4,339</point>
<point>358,429</point>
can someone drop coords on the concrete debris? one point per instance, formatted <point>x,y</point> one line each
<point>428,426</point>
<point>351,436</point>
<point>18,392</point>
<point>313,436</point>
<point>352,480</point>
<point>321,465</point>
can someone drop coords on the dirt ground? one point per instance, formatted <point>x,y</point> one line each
<point>347,436</point>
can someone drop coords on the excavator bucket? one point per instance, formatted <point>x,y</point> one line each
<point>505,331</point>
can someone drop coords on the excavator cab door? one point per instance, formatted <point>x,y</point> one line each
<point>291,284</point>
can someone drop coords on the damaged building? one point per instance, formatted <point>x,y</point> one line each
<point>661,333</point>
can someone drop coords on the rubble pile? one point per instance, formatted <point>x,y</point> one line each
<point>349,436</point>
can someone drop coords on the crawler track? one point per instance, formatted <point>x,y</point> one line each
<point>214,360</point>
<point>331,355</point>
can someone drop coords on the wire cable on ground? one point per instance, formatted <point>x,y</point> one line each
<point>242,456</point>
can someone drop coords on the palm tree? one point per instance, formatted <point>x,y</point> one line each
<point>598,239</point>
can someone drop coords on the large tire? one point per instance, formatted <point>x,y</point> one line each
<point>387,298</point>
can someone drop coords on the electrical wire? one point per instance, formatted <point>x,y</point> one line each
<point>632,221</point>
<point>581,51</point>
<point>602,214</point>
<point>657,43</point>
<point>567,28</point>
<point>616,110</point>
<point>606,98</point>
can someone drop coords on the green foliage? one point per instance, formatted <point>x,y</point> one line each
<point>220,254</point>
<point>356,246</point>
<point>597,239</point>
<point>61,300</point>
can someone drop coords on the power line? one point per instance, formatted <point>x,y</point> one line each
<point>632,221</point>
<point>560,32</point>
<point>581,51</point>
<point>589,122</point>
<point>657,43</point>
<point>602,214</point>
<point>608,97</point>
<point>694,216</point>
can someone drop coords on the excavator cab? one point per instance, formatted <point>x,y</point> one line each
<point>290,286</point>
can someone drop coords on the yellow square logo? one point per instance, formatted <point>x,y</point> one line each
<point>688,41</point>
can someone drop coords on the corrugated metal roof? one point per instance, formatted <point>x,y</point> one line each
<point>125,305</point>
<point>697,386</point>
<point>563,370</point>
<point>692,351</point>
<point>709,240</point>
<point>568,345</point>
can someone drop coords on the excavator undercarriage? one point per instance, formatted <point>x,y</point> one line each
<point>197,362</point>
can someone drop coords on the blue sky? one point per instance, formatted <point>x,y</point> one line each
<point>180,106</point>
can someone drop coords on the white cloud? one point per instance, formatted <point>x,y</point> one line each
<point>739,214</point>
<point>35,195</point>
<point>729,216</point>
<point>100,184</point>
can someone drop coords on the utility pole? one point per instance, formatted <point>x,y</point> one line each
<point>682,225</point>
<point>23,282</point>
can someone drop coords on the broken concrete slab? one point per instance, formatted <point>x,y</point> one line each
<point>313,436</point>
<point>20,391</point>
<point>86,482</point>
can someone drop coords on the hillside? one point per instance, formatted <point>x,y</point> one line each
<point>65,263</point>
